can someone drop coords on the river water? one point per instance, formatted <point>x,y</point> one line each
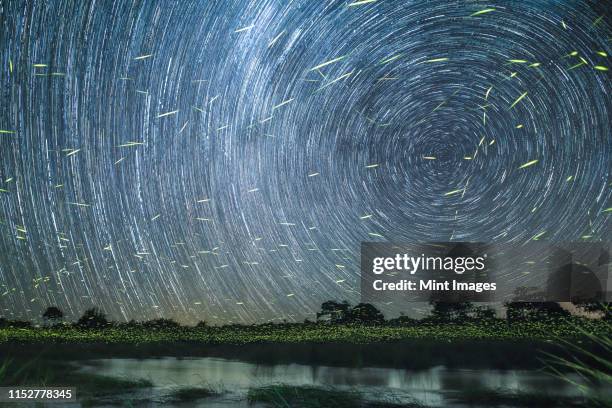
<point>233,379</point>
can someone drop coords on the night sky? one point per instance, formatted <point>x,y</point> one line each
<point>223,160</point>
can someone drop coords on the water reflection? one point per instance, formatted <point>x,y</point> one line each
<point>425,386</point>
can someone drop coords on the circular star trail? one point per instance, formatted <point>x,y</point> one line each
<point>223,161</point>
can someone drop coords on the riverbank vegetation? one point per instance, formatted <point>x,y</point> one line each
<point>337,322</point>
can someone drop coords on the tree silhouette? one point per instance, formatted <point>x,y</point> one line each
<point>336,312</point>
<point>451,311</point>
<point>365,313</point>
<point>92,319</point>
<point>521,311</point>
<point>53,315</point>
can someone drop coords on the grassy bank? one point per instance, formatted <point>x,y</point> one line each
<point>307,333</point>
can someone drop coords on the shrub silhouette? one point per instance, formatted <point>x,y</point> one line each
<point>161,324</point>
<point>403,320</point>
<point>53,315</point>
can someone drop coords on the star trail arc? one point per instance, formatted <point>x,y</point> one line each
<point>222,161</point>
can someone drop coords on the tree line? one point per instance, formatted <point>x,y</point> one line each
<point>456,312</point>
<point>334,312</point>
